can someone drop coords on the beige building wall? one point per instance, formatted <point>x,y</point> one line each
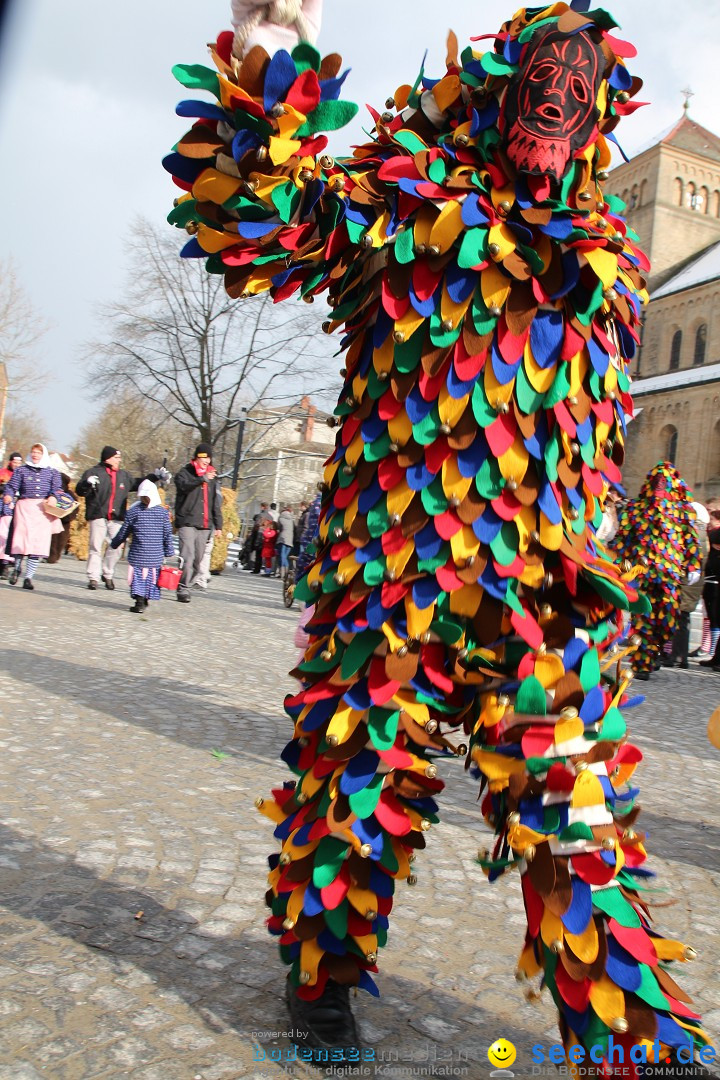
<point>687,312</point>
<point>694,414</point>
<point>673,204</point>
<point>672,192</point>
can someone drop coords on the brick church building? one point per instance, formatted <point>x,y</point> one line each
<point>672,192</point>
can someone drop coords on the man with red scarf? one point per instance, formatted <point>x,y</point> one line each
<point>197,512</point>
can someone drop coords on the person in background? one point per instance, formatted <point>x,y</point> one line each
<point>6,514</point>
<point>691,592</point>
<point>285,540</point>
<point>269,537</point>
<point>256,542</point>
<point>105,488</point>
<point>299,527</point>
<point>272,513</point>
<point>14,462</point>
<point>59,540</point>
<point>609,524</point>
<point>307,538</point>
<point>711,589</point>
<point>149,522</point>
<point>202,580</point>
<point>29,486</point>
<point>198,512</point>
<point>657,530</point>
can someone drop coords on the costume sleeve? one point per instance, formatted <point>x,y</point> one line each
<point>264,203</point>
<point>125,529</point>
<point>13,485</point>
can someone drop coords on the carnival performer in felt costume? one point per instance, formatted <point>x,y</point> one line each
<point>657,531</point>
<point>488,294</point>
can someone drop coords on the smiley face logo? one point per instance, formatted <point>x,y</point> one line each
<point>502,1054</point>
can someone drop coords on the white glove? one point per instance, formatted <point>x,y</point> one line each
<point>693,578</point>
<point>93,481</point>
<point>163,475</point>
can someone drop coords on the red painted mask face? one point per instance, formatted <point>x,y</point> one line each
<point>550,109</point>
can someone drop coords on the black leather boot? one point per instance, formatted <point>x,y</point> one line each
<point>328,1021</point>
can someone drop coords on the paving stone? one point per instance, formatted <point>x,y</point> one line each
<point>114,805</point>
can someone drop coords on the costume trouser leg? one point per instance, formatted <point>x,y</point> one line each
<point>681,641</point>
<point>658,626</point>
<point>553,760</point>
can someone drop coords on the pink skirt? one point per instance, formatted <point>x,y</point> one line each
<point>5,522</point>
<point>33,528</point>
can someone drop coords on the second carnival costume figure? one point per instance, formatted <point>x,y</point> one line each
<point>656,530</point>
<point>488,294</point>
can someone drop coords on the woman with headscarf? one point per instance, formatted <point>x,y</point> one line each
<point>657,530</point>
<point>149,522</point>
<point>28,487</point>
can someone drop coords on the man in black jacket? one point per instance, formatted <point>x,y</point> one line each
<point>197,513</point>
<point>106,487</point>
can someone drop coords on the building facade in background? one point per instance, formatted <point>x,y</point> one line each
<point>284,451</point>
<point>672,192</point>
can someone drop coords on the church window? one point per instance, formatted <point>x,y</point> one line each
<point>705,197</point>
<point>669,443</point>
<point>716,203</point>
<point>693,198</point>
<point>677,191</point>
<point>634,197</point>
<point>700,344</point>
<point>675,348</point>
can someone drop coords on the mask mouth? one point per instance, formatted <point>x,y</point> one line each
<point>549,115</point>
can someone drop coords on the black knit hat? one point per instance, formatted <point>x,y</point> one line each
<point>15,454</point>
<point>203,448</point>
<point>108,452</point>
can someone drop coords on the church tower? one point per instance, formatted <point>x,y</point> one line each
<point>672,192</point>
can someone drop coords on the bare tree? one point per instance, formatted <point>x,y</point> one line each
<point>178,340</point>
<point>23,428</point>
<point>139,428</point>
<point>21,329</point>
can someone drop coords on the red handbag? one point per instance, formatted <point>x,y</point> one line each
<point>169,577</point>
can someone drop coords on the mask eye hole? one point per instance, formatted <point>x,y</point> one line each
<point>544,72</point>
<point>579,89</point>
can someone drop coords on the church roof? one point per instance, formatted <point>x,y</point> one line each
<point>704,268</point>
<point>675,380</point>
<point>687,135</point>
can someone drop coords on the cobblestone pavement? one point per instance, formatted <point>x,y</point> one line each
<point>133,861</point>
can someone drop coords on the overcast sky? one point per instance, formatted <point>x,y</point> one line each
<point>87,112</point>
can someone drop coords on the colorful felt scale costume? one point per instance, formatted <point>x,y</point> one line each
<point>657,531</point>
<point>488,295</point>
